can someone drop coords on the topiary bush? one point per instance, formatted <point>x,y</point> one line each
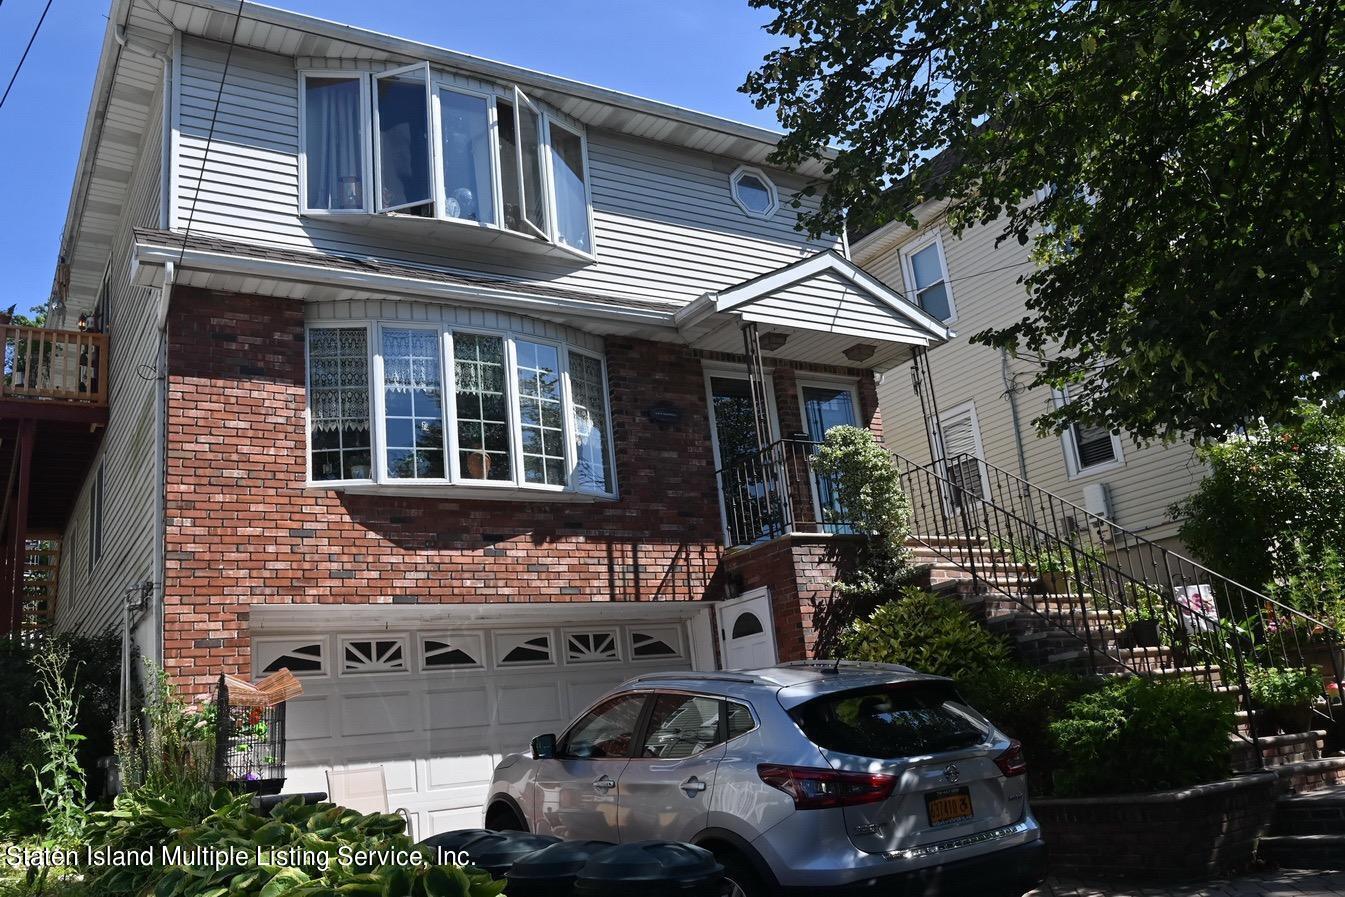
<point>1135,735</point>
<point>928,633</point>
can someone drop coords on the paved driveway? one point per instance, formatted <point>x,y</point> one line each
<point>1284,883</point>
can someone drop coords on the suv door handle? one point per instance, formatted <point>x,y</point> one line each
<point>604,783</point>
<point>692,785</point>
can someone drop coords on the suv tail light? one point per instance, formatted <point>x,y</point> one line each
<point>819,789</point>
<point>1012,762</point>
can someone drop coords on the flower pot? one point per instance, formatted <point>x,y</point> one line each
<point>1139,634</point>
<point>1056,582</point>
<point>1291,720</point>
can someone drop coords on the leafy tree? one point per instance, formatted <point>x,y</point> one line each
<point>1190,254</point>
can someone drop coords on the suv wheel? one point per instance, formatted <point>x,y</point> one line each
<point>739,876</point>
<point>502,818</point>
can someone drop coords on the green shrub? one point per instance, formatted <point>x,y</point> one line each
<point>927,633</point>
<point>1023,702</point>
<point>1135,735</point>
<point>867,487</point>
<point>1277,688</point>
<point>300,835</point>
<point>1273,503</point>
<point>57,773</point>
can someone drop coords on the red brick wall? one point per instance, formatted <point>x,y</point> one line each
<point>241,529</point>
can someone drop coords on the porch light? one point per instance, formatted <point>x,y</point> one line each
<point>772,342</point>
<point>83,323</point>
<point>859,352</point>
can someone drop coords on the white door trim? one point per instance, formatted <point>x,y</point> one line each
<point>762,594</point>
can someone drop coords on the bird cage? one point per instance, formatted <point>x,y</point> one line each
<point>250,732</point>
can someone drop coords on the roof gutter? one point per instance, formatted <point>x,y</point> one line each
<point>151,255</point>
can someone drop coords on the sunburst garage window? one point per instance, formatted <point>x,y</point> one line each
<point>430,405</point>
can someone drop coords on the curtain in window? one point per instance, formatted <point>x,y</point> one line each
<point>592,465</point>
<point>338,377</point>
<point>482,417</point>
<point>332,143</point>
<point>413,404</point>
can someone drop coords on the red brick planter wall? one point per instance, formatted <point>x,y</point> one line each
<point>242,529</point>
<point>1196,832</point>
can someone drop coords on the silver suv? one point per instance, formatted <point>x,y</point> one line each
<point>813,777</point>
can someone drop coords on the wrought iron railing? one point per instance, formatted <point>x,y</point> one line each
<point>53,364</point>
<point>1126,602</point>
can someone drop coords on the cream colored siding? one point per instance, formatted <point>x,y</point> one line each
<point>90,602</point>
<point>983,280</point>
<point>665,224</point>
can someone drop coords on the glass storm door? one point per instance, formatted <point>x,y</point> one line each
<point>825,407</point>
<point>745,493</point>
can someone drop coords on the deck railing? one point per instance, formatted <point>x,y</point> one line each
<point>68,365</point>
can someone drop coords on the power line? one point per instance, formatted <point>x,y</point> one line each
<point>19,67</point>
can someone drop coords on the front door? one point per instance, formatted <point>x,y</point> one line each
<point>748,496</point>
<point>746,633</point>
<point>826,406</point>
<point>577,792</point>
<point>666,788</point>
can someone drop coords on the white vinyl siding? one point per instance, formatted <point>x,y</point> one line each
<point>1153,476</point>
<point>92,603</point>
<point>663,220</point>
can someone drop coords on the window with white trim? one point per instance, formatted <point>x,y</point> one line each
<point>1088,448</point>
<point>754,192</point>
<point>411,141</point>
<point>455,406</point>
<point>926,271</point>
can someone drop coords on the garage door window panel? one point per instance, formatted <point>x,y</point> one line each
<point>373,655</point>
<point>523,649</point>
<point>606,732</point>
<point>655,643</point>
<point>451,652</point>
<point>302,658</point>
<point>591,647</point>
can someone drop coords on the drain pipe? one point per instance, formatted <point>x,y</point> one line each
<point>1011,393</point>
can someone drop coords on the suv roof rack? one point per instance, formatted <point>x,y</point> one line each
<point>689,674</point>
<point>827,665</point>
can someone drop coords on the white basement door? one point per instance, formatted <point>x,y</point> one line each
<point>438,708</point>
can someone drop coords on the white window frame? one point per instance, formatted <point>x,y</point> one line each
<point>431,135</point>
<point>338,664</point>
<point>437,145</point>
<point>548,122</point>
<point>380,438</point>
<point>908,273</point>
<point>453,638</point>
<point>543,169</point>
<point>607,410</point>
<point>366,120</point>
<point>738,174</point>
<point>510,406</point>
<point>1069,445</point>
<point>369,336</point>
<point>453,474</point>
<point>286,644</point>
<point>566,410</point>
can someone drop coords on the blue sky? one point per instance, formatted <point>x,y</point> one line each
<point>693,53</point>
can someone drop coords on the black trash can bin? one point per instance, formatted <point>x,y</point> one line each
<point>651,869</point>
<point>551,871</point>
<point>495,852</point>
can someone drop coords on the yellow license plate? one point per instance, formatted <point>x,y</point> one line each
<point>949,806</point>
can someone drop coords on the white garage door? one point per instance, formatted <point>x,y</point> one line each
<point>438,707</point>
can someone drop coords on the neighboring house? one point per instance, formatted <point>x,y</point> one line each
<point>416,371</point>
<point>985,406</point>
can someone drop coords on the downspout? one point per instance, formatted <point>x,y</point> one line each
<point>1011,393</point>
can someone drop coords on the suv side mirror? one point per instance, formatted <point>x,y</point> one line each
<point>544,747</point>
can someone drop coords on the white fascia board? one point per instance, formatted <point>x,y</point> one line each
<point>497,295</point>
<point>273,619</point>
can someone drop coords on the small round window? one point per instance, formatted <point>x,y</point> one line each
<point>753,192</point>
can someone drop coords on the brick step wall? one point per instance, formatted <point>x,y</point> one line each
<point>1276,750</point>
<point>1308,831</point>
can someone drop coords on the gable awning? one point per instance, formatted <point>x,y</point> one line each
<point>824,309</point>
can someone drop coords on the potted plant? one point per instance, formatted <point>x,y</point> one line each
<point>1286,694</point>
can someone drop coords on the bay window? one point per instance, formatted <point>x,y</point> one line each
<point>454,407</point>
<point>411,142</point>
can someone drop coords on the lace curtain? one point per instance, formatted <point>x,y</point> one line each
<point>339,378</point>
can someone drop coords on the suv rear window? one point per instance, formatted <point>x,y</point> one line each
<point>889,721</point>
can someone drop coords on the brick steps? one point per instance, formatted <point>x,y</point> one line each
<point>1311,775</point>
<point>1304,851</point>
<point>1312,813</point>
<point>1276,750</point>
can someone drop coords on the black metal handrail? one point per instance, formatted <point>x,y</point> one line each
<point>1101,581</point>
<point>1126,601</point>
